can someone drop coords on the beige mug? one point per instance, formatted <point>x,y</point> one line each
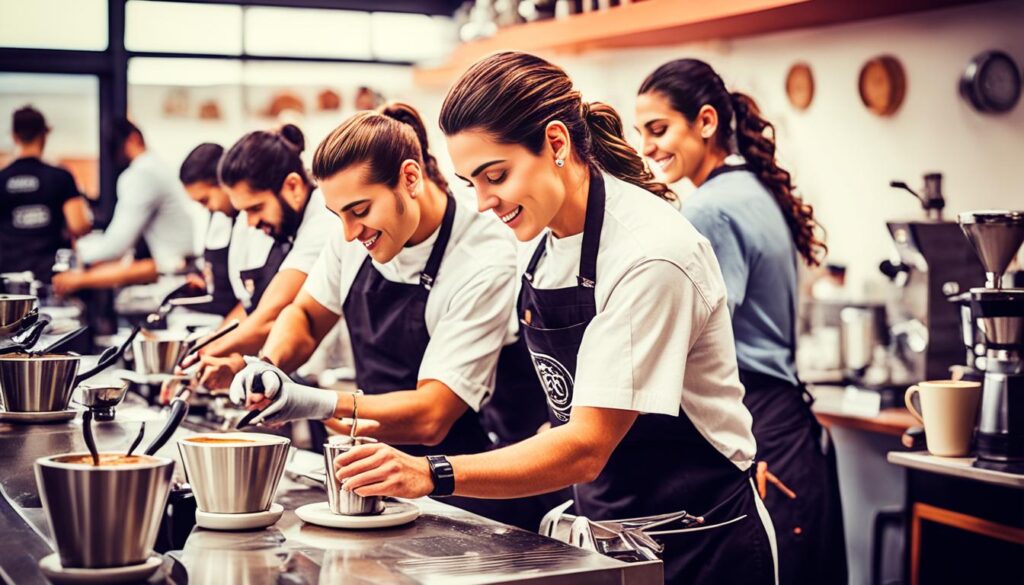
<point>949,412</point>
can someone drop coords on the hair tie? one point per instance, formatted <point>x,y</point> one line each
<point>584,110</point>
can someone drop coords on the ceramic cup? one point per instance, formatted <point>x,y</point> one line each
<point>949,412</point>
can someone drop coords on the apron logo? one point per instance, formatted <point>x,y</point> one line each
<point>29,217</point>
<point>557,382</point>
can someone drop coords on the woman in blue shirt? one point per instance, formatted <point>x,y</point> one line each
<point>745,204</point>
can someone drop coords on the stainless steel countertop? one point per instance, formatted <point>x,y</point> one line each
<point>955,466</point>
<point>445,545</point>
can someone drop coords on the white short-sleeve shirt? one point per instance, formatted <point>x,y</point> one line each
<point>662,338</point>
<point>469,306</point>
<point>151,205</point>
<point>250,247</point>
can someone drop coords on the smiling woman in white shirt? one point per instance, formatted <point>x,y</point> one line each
<point>624,311</point>
<point>426,287</point>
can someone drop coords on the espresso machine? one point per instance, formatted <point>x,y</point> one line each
<point>933,261</point>
<point>999,315</point>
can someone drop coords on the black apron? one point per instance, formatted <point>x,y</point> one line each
<point>663,464</point>
<point>256,280</point>
<point>799,452</point>
<point>387,327</point>
<point>218,280</point>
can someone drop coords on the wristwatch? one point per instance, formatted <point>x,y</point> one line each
<point>442,474</point>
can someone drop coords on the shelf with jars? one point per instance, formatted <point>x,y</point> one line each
<point>661,23</point>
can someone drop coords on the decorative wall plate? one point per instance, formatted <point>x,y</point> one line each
<point>800,86</point>
<point>882,85</point>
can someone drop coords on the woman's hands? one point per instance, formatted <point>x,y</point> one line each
<point>381,470</point>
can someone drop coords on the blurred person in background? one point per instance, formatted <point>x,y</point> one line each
<point>693,127</point>
<point>151,210</point>
<point>198,174</point>
<point>40,205</point>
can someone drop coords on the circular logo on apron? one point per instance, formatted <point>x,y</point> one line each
<point>557,382</point>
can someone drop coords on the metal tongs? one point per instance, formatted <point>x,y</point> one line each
<point>627,539</point>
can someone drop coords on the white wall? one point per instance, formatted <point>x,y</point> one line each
<point>842,157</point>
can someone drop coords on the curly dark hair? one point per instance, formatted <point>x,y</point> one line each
<point>688,85</point>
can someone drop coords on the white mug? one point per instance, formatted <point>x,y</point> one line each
<point>949,412</point>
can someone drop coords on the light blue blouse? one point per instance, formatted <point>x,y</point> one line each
<point>758,259</point>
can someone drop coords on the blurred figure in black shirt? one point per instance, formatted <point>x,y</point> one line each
<point>40,205</point>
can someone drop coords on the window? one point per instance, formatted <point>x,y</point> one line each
<point>410,37</point>
<point>54,24</point>
<point>290,32</point>
<point>183,28</point>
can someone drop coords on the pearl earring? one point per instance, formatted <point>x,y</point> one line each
<point>559,163</point>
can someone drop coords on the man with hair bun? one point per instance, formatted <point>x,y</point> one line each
<point>267,183</point>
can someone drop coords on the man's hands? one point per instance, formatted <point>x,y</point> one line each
<point>264,386</point>
<point>381,470</point>
<point>69,282</point>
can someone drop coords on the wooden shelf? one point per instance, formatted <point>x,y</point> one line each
<point>668,22</point>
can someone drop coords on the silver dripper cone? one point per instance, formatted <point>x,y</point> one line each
<point>996,237</point>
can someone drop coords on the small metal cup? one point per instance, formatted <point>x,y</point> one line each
<point>105,516</point>
<point>37,383</point>
<point>13,310</point>
<point>157,352</point>
<point>234,478</point>
<point>341,500</point>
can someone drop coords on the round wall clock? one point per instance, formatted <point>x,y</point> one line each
<point>882,85</point>
<point>800,86</point>
<point>991,82</point>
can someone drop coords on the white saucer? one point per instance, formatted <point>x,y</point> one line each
<point>395,513</point>
<point>212,521</point>
<point>51,567</point>
<point>37,417</point>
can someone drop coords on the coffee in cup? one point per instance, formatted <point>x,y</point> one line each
<point>108,460</point>
<point>949,412</point>
<point>105,515</point>
<point>234,473</point>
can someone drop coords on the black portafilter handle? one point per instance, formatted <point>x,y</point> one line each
<point>108,357</point>
<point>257,388</point>
<point>179,408</point>
<point>892,269</point>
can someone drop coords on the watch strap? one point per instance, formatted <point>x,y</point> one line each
<point>443,475</point>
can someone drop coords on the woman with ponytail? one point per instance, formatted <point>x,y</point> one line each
<point>623,309</point>
<point>425,285</point>
<point>746,205</point>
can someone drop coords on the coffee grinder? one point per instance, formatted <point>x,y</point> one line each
<point>999,314</point>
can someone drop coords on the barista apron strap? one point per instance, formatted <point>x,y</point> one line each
<point>437,253</point>
<point>592,225</point>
